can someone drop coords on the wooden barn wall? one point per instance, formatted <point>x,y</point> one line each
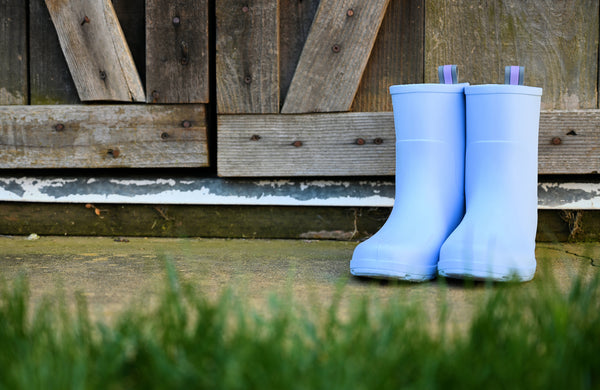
<point>300,88</point>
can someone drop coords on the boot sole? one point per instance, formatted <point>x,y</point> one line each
<point>388,270</point>
<point>458,269</point>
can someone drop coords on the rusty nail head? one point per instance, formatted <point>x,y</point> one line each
<point>186,124</point>
<point>360,141</point>
<point>184,61</point>
<point>335,48</point>
<point>378,141</point>
<point>164,135</point>
<point>114,152</point>
<point>245,9</point>
<point>85,20</point>
<point>176,21</point>
<point>297,144</point>
<point>59,127</point>
<point>255,137</point>
<point>556,141</point>
<point>350,12</point>
<point>248,79</point>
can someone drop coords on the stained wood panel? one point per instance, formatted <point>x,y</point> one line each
<point>13,52</point>
<point>95,50</point>
<point>103,136</point>
<point>50,79</point>
<point>132,18</point>
<point>295,17</point>
<point>334,56</point>
<point>556,41</point>
<point>362,144</point>
<point>396,58</point>
<point>247,57</point>
<point>177,51</point>
<point>569,142</point>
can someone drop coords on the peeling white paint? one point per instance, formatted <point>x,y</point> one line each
<point>217,191</point>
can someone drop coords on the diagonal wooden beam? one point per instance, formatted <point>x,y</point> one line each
<point>96,51</point>
<point>334,56</point>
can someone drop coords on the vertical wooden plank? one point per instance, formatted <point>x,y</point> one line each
<point>247,56</point>
<point>396,58</point>
<point>556,41</point>
<point>334,56</point>
<point>295,18</point>
<point>13,52</point>
<point>50,79</point>
<point>96,51</point>
<point>177,51</point>
<point>132,18</point>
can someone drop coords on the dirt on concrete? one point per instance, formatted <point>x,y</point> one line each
<point>114,273</point>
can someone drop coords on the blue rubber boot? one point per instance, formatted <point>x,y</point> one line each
<point>429,200</point>
<point>496,239</point>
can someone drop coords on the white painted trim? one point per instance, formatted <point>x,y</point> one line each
<point>259,192</point>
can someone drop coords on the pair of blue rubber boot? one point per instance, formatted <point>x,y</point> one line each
<point>466,183</point>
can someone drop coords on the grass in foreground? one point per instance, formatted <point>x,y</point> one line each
<point>536,338</point>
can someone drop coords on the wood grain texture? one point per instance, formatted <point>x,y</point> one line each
<point>132,18</point>
<point>396,58</point>
<point>50,79</point>
<point>334,56</point>
<point>556,41</point>
<point>96,50</point>
<point>263,145</point>
<point>569,142</point>
<point>296,18</point>
<point>105,136</point>
<point>177,51</point>
<point>306,145</point>
<point>247,58</point>
<point>13,52</point>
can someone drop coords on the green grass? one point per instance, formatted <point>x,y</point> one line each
<point>529,338</point>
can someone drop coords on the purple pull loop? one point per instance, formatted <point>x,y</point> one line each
<point>448,74</point>
<point>514,75</point>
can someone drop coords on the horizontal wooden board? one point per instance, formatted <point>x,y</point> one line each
<point>305,145</point>
<point>330,144</point>
<point>103,136</point>
<point>569,142</point>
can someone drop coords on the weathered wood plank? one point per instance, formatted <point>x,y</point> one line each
<point>306,145</point>
<point>334,56</point>
<point>247,58</point>
<point>132,18</point>
<point>95,50</point>
<point>569,142</point>
<point>556,41</point>
<point>50,79</point>
<point>177,51</point>
<point>13,52</point>
<point>328,144</point>
<point>104,136</point>
<point>295,19</point>
<point>396,58</point>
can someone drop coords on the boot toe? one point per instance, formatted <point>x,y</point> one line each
<point>384,261</point>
